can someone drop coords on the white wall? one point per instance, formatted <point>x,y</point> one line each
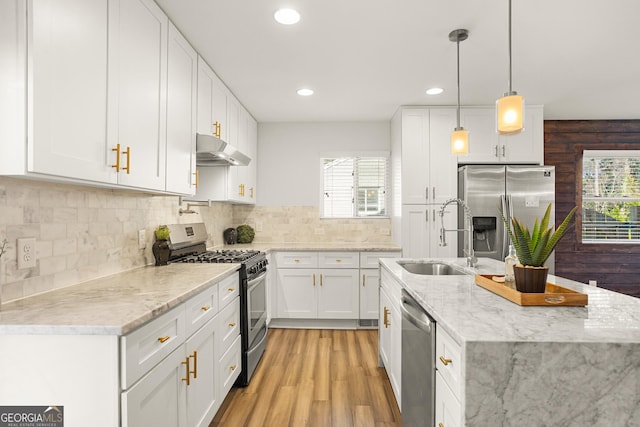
<point>289,167</point>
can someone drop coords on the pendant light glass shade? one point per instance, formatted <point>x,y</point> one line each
<point>510,113</point>
<point>459,136</point>
<point>510,108</point>
<point>460,142</point>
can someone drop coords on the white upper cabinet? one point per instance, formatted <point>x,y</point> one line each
<point>212,103</point>
<point>138,35</point>
<point>182,77</point>
<point>67,97</point>
<point>486,146</point>
<point>428,167</point>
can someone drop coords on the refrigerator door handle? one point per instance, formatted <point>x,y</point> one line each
<point>507,214</point>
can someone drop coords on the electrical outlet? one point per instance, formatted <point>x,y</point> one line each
<point>26,249</point>
<point>142,239</point>
<point>593,283</point>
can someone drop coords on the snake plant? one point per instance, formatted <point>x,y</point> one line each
<point>533,248</point>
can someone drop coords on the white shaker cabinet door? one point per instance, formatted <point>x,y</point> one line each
<point>159,398</point>
<point>415,156</point>
<point>369,298</point>
<point>181,114</point>
<point>67,96</point>
<point>202,392</point>
<point>297,293</point>
<point>338,296</point>
<point>138,90</point>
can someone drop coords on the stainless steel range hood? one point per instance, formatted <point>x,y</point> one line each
<point>212,151</point>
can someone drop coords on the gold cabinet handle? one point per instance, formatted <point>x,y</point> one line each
<point>231,289</point>
<point>197,174</point>
<point>240,190</point>
<point>363,280</point>
<point>163,339</point>
<point>296,260</point>
<point>251,192</point>
<point>195,364</point>
<point>440,425</point>
<point>232,324</point>
<point>128,154</point>
<point>444,361</point>
<point>188,378</point>
<point>320,279</point>
<point>338,260</point>
<point>205,308</point>
<point>233,367</point>
<point>314,279</point>
<point>386,318</point>
<point>218,129</point>
<point>117,165</point>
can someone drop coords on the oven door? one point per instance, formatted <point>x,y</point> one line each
<point>256,305</point>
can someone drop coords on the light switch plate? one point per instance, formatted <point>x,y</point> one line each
<point>26,250</point>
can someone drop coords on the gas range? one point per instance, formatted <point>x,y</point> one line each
<point>220,256</point>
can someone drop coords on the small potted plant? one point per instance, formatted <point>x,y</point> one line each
<point>533,248</point>
<point>160,247</point>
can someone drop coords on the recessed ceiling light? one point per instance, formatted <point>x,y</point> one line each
<point>305,92</point>
<point>435,91</point>
<point>287,16</point>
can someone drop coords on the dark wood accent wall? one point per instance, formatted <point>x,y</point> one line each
<point>615,267</point>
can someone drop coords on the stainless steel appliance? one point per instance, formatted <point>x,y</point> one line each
<point>188,245</point>
<point>418,364</point>
<point>523,192</point>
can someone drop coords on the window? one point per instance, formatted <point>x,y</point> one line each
<point>354,187</point>
<point>611,196</point>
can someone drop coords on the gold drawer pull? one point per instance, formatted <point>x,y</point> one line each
<point>205,308</point>
<point>440,425</point>
<point>296,260</point>
<point>386,317</point>
<point>128,167</point>
<point>314,279</point>
<point>363,280</point>
<point>444,361</point>
<point>231,289</point>
<point>195,364</point>
<point>186,362</point>
<point>197,174</point>
<point>163,339</point>
<point>117,165</point>
<point>233,367</point>
<point>338,260</point>
<point>232,324</point>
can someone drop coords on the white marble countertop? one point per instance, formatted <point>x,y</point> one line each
<point>471,313</point>
<point>315,246</point>
<point>113,305</point>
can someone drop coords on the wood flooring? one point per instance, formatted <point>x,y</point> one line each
<point>314,378</point>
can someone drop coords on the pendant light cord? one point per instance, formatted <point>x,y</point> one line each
<point>510,89</point>
<point>458,62</point>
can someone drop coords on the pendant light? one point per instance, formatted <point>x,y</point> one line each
<point>510,108</point>
<point>459,136</point>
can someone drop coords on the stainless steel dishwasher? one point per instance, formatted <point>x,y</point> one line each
<point>418,364</point>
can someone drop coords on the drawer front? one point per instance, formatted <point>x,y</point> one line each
<point>449,360</point>
<point>297,259</point>
<point>393,288</point>
<point>201,308</point>
<point>145,347</point>
<point>370,259</point>
<point>230,366</point>
<point>338,260</point>
<point>228,325</point>
<point>228,289</point>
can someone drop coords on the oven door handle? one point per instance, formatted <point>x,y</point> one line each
<point>254,282</point>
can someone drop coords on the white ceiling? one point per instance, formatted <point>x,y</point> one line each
<point>364,58</point>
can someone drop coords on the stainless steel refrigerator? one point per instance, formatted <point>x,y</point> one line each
<point>523,191</point>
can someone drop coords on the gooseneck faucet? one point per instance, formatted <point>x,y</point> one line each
<point>472,261</point>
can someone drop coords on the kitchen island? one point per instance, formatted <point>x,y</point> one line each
<point>533,366</point>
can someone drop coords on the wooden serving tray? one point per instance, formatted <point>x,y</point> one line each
<point>554,295</point>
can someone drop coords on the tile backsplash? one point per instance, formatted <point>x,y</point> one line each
<point>83,233</point>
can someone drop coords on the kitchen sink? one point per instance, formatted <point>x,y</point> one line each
<point>430,268</point>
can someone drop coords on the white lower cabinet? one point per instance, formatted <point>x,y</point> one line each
<point>159,398</point>
<point>448,380</point>
<point>327,285</point>
<point>315,292</point>
<point>448,409</point>
<point>203,397</point>
<point>390,331</point>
